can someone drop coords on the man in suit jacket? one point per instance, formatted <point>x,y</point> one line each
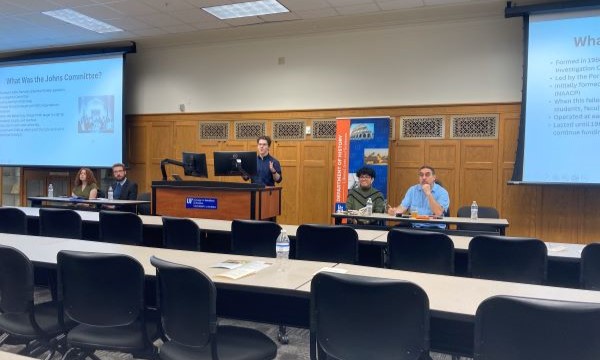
<point>123,188</point>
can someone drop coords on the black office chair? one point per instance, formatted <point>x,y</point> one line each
<point>333,243</point>
<point>254,237</point>
<point>519,328</point>
<point>144,209</point>
<point>38,326</point>
<point>590,267</point>
<point>121,228</point>
<point>422,251</point>
<point>13,221</point>
<point>104,294</point>
<point>508,259</point>
<point>181,234</point>
<point>187,302</point>
<point>61,223</point>
<point>356,318</point>
<point>482,212</point>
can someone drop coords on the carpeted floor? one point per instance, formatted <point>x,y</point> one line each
<point>297,349</point>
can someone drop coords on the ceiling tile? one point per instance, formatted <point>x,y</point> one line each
<point>244,21</point>
<point>357,9</point>
<point>133,8</point>
<point>149,32</point>
<point>296,5</point>
<point>288,16</point>
<point>211,25</point>
<point>99,12</point>
<point>339,3</point>
<point>169,5</point>
<point>160,20</point>
<point>128,23</point>
<point>399,4</point>
<point>179,29</point>
<point>193,16</point>
<point>314,14</point>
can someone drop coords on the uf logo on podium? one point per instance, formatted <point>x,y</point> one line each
<point>340,207</point>
<point>200,203</point>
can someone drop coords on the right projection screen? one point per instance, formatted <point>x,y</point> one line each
<point>560,129</point>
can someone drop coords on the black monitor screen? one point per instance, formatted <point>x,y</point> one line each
<point>232,163</point>
<point>194,165</point>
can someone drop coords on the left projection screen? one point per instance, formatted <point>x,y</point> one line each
<point>62,112</point>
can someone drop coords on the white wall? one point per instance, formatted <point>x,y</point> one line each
<point>474,61</point>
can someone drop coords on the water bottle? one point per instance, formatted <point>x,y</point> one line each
<point>50,190</point>
<point>282,248</point>
<point>474,210</point>
<point>369,207</point>
<point>110,193</point>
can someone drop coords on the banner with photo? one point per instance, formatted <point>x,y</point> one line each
<point>360,142</point>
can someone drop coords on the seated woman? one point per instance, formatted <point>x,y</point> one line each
<point>85,185</point>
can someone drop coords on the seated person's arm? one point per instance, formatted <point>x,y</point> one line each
<point>246,178</point>
<point>93,193</point>
<point>134,191</point>
<point>379,205</point>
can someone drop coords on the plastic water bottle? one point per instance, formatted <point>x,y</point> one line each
<point>474,210</point>
<point>369,207</point>
<point>50,190</point>
<point>110,193</point>
<point>282,248</point>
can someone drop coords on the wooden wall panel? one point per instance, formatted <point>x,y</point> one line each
<point>469,168</point>
<point>288,154</point>
<point>556,212</point>
<point>161,147</point>
<point>478,173</point>
<point>317,184</point>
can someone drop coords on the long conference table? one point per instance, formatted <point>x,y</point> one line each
<point>563,258</point>
<point>453,300</point>
<point>500,224</point>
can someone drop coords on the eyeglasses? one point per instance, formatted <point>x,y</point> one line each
<point>365,177</point>
<point>427,174</point>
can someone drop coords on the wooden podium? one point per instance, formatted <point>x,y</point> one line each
<point>215,200</point>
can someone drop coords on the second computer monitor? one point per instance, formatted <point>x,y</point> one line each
<point>232,163</point>
<point>194,165</point>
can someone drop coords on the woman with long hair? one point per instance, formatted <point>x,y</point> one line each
<point>85,184</point>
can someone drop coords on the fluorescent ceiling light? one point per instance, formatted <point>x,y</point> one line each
<point>84,21</point>
<point>245,9</point>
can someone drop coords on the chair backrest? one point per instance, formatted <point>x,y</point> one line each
<point>422,251</point>
<point>13,221</point>
<point>16,281</point>
<point>485,212</point>
<point>508,258</point>
<point>63,223</point>
<point>523,329</point>
<point>356,317</point>
<point>254,237</point>
<point>187,302</point>
<point>100,289</point>
<point>181,234</point>
<point>121,228</point>
<point>144,209</point>
<point>334,243</point>
<point>590,267</point>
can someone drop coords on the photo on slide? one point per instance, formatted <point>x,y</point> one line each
<point>96,114</point>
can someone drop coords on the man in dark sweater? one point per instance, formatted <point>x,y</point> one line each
<point>357,198</point>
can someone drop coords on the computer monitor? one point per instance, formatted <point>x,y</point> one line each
<point>195,165</point>
<point>232,163</point>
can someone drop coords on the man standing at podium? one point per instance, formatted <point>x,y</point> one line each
<point>268,169</point>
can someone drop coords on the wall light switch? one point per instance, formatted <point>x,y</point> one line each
<point>308,130</point>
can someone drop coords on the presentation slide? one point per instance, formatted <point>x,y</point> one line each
<point>562,117</point>
<point>62,112</point>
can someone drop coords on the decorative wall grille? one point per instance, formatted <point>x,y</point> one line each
<point>288,130</point>
<point>324,129</point>
<point>422,127</point>
<point>480,126</point>
<point>249,130</point>
<point>214,130</point>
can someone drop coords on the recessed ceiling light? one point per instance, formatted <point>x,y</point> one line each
<point>245,9</point>
<point>84,21</point>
